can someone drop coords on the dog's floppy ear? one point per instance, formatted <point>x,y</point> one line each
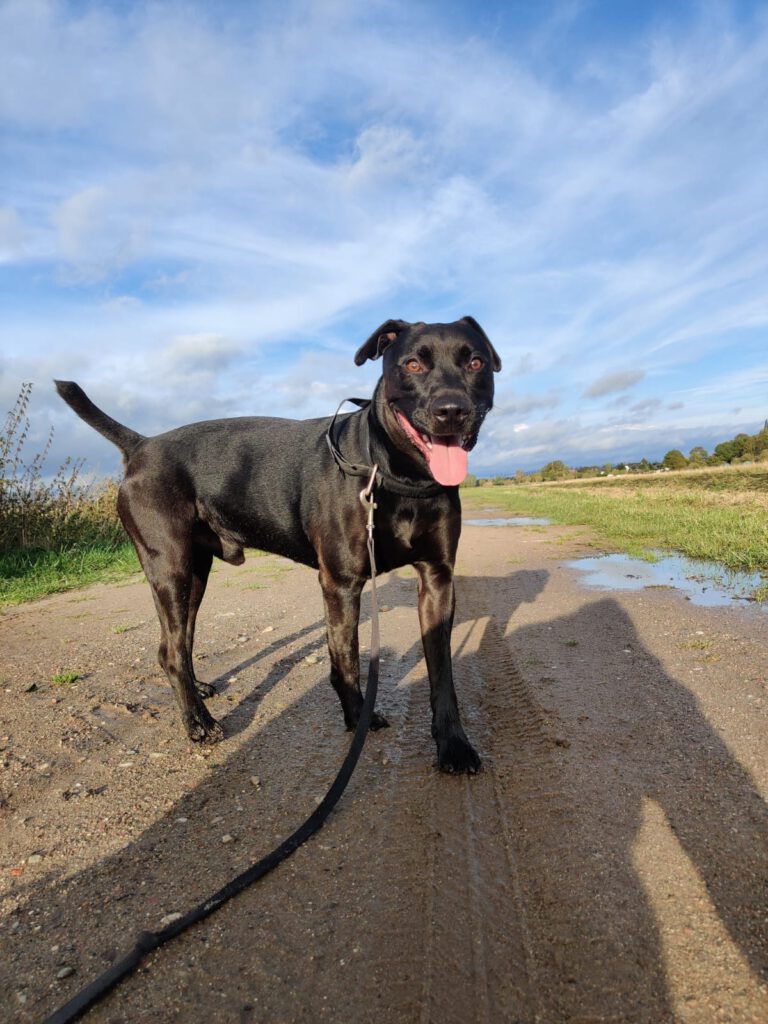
<point>380,340</point>
<point>476,327</point>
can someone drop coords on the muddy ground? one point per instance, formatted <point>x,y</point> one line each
<point>609,864</point>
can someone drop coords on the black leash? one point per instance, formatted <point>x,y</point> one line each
<point>147,941</point>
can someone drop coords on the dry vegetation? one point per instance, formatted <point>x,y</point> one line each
<point>55,532</point>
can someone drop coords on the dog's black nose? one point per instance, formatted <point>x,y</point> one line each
<point>450,412</point>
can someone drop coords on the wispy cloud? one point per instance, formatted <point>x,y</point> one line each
<point>613,383</point>
<point>279,181</point>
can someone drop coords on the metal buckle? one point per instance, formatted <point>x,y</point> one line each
<point>366,499</point>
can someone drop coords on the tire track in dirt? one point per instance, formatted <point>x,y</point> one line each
<point>527,786</point>
<point>568,975</point>
<point>478,958</point>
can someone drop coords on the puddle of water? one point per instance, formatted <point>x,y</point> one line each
<point>705,583</point>
<point>509,521</point>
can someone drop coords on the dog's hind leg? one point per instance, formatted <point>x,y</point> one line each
<point>171,591</point>
<point>342,613</point>
<point>201,567</point>
<point>163,542</point>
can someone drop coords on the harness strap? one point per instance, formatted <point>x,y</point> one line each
<point>347,467</point>
<point>425,489</point>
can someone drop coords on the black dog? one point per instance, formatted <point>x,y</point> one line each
<point>292,487</point>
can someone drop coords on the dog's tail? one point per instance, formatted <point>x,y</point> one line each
<point>126,439</point>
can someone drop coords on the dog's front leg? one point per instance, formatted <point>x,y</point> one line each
<point>436,605</point>
<point>341,597</point>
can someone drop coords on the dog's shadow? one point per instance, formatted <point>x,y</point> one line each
<point>394,591</point>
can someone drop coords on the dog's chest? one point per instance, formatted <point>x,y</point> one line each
<point>414,531</point>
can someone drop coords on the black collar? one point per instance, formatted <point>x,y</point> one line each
<point>425,489</point>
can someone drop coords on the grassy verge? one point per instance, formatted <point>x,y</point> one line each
<point>729,525</point>
<point>26,575</point>
<point>56,532</point>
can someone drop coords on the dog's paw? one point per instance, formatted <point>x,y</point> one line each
<point>378,721</point>
<point>205,729</point>
<point>457,756</point>
<point>205,689</point>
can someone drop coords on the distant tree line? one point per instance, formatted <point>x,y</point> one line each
<point>740,450</point>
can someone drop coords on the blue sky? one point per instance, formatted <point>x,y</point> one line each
<point>206,208</point>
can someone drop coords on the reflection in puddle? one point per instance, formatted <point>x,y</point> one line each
<point>509,521</point>
<point>706,583</point>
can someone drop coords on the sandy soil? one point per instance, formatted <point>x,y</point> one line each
<point>610,863</point>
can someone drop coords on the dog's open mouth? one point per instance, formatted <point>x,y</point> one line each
<point>446,455</point>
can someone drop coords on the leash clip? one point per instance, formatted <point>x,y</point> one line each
<point>366,499</point>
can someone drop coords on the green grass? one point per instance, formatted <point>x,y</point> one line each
<point>66,678</point>
<point>26,575</point>
<point>729,525</point>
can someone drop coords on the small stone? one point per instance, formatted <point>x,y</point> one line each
<point>65,972</point>
<point>311,659</point>
<point>35,858</point>
<point>182,821</point>
<point>242,639</point>
<point>268,629</point>
<point>255,781</point>
<point>126,764</point>
<point>169,919</point>
<point>21,997</point>
<point>227,838</point>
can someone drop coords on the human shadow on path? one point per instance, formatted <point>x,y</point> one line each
<point>589,731</point>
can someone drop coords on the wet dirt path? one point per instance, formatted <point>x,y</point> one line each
<point>610,863</point>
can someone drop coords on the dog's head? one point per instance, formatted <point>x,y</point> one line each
<point>436,389</point>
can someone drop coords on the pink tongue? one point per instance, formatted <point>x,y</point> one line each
<point>448,461</point>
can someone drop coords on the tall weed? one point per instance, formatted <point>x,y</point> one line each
<point>39,514</point>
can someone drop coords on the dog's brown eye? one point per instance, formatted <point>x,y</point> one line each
<point>414,366</point>
<point>475,364</point>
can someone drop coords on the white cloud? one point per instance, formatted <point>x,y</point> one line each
<point>201,351</point>
<point>79,219</point>
<point>293,174</point>
<point>612,383</point>
<point>12,234</point>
